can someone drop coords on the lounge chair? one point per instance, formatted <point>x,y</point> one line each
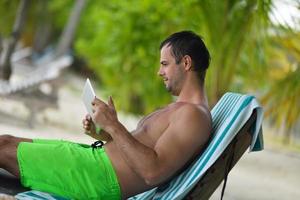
<point>237,123</point>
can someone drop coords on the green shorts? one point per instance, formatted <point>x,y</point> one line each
<point>67,169</point>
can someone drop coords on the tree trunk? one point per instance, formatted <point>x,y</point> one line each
<point>0,46</point>
<point>43,31</point>
<point>5,64</point>
<point>68,34</point>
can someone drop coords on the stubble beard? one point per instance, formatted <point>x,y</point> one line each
<point>174,84</point>
<point>171,88</point>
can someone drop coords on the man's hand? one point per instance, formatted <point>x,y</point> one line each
<point>88,125</point>
<point>104,115</point>
<point>90,129</point>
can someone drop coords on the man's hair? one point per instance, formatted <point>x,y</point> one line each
<point>189,43</point>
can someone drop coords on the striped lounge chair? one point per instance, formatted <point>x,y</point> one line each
<point>237,123</point>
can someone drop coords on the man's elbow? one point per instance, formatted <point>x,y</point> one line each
<point>152,178</point>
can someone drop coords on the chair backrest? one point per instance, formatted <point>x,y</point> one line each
<point>229,115</point>
<point>218,172</point>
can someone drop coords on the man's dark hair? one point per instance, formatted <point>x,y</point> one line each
<point>189,43</point>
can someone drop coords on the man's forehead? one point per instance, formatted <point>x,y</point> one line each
<point>166,51</point>
<point>166,47</point>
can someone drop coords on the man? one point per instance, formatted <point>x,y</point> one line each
<point>163,143</point>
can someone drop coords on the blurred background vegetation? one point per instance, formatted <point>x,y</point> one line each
<point>117,42</point>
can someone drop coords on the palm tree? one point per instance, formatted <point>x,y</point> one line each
<point>250,54</point>
<point>235,32</point>
<point>5,65</point>
<point>282,97</point>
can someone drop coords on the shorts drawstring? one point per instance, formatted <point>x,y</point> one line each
<point>97,144</point>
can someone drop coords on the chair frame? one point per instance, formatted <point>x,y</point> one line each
<point>217,172</point>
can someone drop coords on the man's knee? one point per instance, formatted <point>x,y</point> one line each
<point>6,139</point>
<point>8,145</point>
<point>8,154</point>
<point>9,142</point>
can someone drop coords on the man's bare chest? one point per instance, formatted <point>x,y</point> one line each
<point>152,127</point>
<point>156,121</point>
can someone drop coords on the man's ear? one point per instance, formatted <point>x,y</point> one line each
<point>187,62</point>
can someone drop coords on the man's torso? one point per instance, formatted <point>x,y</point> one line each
<point>148,132</point>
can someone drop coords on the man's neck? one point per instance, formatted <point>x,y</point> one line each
<point>193,92</point>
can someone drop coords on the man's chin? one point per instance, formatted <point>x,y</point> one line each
<point>172,92</point>
<point>168,89</point>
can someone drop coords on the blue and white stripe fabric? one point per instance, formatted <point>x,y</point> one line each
<point>229,115</point>
<point>37,195</point>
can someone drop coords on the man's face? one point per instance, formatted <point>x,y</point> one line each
<point>171,72</point>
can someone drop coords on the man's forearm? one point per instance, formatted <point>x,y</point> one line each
<point>103,136</point>
<point>142,159</point>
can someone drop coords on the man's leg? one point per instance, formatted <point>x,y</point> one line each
<point>8,153</point>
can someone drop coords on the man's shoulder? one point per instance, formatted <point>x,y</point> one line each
<point>189,110</point>
<point>189,116</point>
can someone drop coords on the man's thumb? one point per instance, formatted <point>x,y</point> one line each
<point>111,102</point>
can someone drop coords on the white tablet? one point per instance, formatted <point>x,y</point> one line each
<point>88,95</point>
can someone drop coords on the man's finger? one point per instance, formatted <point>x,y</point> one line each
<point>111,102</point>
<point>97,101</point>
<point>98,104</point>
<point>88,117</point>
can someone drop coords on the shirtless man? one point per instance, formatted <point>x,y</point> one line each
<point>163,143</point>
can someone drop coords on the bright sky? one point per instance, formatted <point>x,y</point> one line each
<point>286,12</point>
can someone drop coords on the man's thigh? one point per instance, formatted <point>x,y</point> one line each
<point>67,169</point>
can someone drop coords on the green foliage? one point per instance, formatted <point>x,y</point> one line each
<point>234,35</point>
<point>120,39</point>
<point>8,11</point>
<point>282,95</point>
<point>58,12</point>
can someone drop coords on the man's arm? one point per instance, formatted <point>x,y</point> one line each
<point>186,134</point>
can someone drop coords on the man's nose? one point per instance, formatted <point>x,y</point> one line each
<point>160,72</point>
